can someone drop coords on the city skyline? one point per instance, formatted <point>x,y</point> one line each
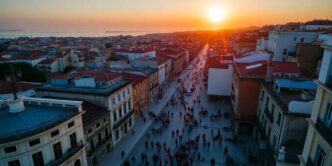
<point>153,16</point>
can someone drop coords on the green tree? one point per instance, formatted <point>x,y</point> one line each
<point>29,73</point>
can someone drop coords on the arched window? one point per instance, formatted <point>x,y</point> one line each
<point>77,162</point>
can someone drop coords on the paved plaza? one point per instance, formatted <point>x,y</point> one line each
<point>143,141</point>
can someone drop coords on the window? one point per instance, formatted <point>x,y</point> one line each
<point>38,159</point>
<point>124,108</point>
<point>14,163</point>
<point>99,138</point>
<point>106,132</point>
<point>262,96</point>
<point>71,124</point>
<point>55,133</point>
<point>113,101</point>
<point>89,130</point>
<point>98,125</point>
<point>57,150</point>
<point>279,119</point>
<point>130,122</point>
<point>328,116</point>
<point>73,140</point>
<point>10,149</point>
<point>34,142</point>
<point>124,94</point>
<point>117,135</point>
<point>92,144</point>
<point>267,100</point>
<point>320,156</point>
<point>119,97</point>
<point>77,162</point>
<point>114,116</point>
<point>105,120</point>
<point>129,106</point>
<point>269,133</point>
<point>128,91</point>
<point>302,39</point>
<point>272,110</point>
<point>120,111</point>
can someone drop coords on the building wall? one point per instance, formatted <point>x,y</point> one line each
<point>309,56</point>
<point>280,42</point>
<point>220,81</point>
<point>25,151</point>
<point>247,98</point>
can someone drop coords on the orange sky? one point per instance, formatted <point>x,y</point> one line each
<point>157,14</point>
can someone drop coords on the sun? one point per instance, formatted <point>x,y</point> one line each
<point>216,14</point>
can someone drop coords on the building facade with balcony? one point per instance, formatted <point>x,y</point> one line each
<point>102,88</point>
<point>96,126</point>
<point>317,150</point>
<point>283,109</point>
<point>37,131</point>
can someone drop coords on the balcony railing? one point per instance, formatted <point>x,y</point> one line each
<point>124,118</point>
<point>70,152</point>
<point>268,114</point>
<point>99,144</point>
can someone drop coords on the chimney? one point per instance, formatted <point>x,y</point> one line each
<point>16,105</point>
<point>269,71</point>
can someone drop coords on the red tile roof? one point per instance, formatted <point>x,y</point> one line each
<point>136,79</point>
<point>135,50</point>
<point>260,71</point>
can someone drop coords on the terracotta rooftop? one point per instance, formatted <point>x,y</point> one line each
<point>6,87</point>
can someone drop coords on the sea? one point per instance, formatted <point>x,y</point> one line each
<point>24,33</point>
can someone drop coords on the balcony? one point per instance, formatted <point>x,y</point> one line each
<point>268,114</point>
<point>324,131</point>
<point>124,118</point>
<point>70,152</point>
<point>100,144</point>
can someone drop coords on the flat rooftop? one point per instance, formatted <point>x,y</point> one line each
<point>104,91</point>
<point>285,96</point>
<point>33,120</point>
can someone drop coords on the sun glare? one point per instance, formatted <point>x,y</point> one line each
<point>216,14</point>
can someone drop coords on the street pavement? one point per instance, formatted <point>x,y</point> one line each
<point>134,144</point>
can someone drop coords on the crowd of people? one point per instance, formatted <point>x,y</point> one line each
<point>187,147</point>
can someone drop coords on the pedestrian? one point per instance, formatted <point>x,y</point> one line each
<point>176,141</point>
<point>122,154</point>
<point>146,145</point>
<point>172,115</point>
<point>180,114</point>
<point>225,151</point>
<point>144,119</point>
<point>213,162</point>
<point>208,144</point>
<point>180,138</point>
<point>172,133</point>
<point>199,156</point>
<point>219,142</point>
<point>152,145</point>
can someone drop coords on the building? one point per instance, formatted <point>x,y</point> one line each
<point>318,145</point>
<point>309,57</point>
<point>48,66</point>
<point>178,59</point>
<point>33,60</point>
<point>140,91</point>
<point>76,59</point>
<point>37,131</point>
<point>220,73</point>
<point>96,126</point>
<point>283,43</point>
<point>317,25</point>
<point>283,108</point>
<point>245,89</point>
<point>102,88</point>
<point>135,53</point>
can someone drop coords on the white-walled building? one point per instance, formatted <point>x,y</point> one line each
<point>317,25</point>
<point>283,43</point>
<point>283,108</point>
<point>76,59</point>
<point>136,53</point>
<point>220,74</point>
<point>102,88</point>
<point>37,131</point>
<point>32,60</point>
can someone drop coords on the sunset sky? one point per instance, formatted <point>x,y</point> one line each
<point>154,14</point>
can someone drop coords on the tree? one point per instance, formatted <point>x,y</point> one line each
<point>29,73</point>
